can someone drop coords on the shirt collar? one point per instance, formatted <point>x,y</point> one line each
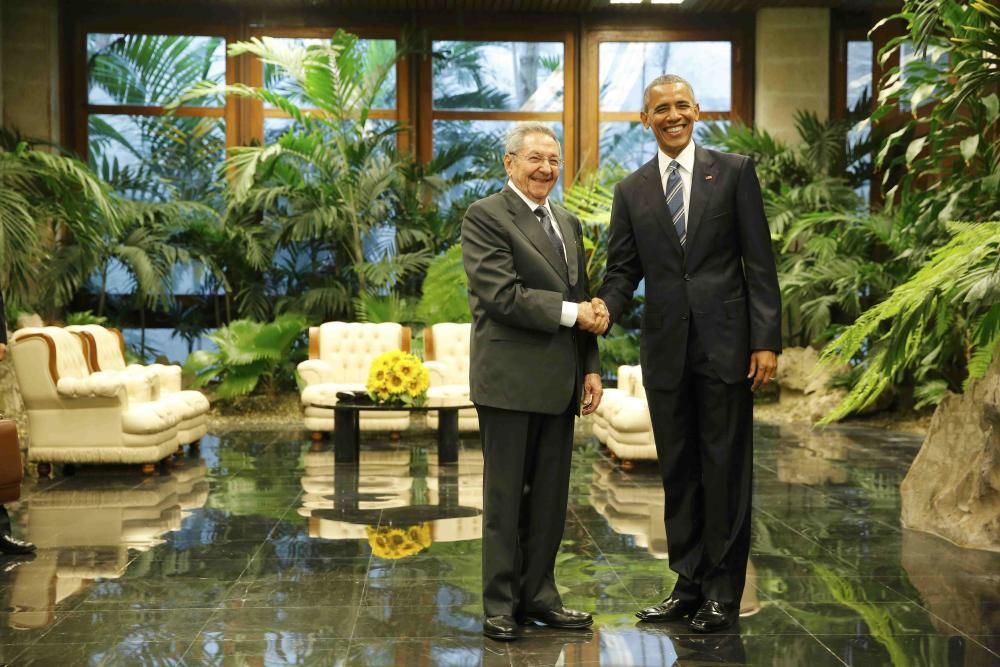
<point>686,159</point>
<point>531,204</point>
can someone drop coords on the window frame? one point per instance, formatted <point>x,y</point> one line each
<point>427,114</point>
<point>741,87</point>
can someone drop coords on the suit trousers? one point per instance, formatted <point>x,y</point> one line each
<point>525,487</point>
<point>704,444</point>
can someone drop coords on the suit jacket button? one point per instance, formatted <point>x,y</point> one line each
<point>687,277</point>
<point>684,316</point>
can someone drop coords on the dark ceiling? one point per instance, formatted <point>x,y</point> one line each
<point>533,6</point>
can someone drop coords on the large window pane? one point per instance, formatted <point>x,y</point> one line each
<point>915,68</point>
<point>626,68</point>
<point>498,76</point>
<point>151,70</point>
<point>158,158</point>
<point>377,53</point>
<point>483,140</point>
<point>859,72</point>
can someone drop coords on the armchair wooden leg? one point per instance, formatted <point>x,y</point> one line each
<point>628,466</point>
<point>317,436</point>
<point>148,468</point>
<point>44,469</point>
<point>394,436</point>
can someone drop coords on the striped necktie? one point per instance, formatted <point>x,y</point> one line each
<point>543,217</point>
<point>675,200</point>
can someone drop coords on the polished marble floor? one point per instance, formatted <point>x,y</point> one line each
<point>258,550</point>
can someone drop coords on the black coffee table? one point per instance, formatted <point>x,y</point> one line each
<point>347,428</point>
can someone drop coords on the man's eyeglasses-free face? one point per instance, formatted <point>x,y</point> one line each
<point>536,160</point>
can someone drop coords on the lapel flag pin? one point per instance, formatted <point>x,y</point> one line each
<point>708,177</point>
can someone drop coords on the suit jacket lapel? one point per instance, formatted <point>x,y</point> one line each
<point>526,221</point>
<point>656,199</point>
<point>569,242</point>
<point>702,184</point>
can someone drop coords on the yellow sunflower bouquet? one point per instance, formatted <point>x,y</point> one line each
<point>392,542</point>
<point>398,378</point>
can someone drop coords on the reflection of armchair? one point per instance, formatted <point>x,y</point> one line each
<point>340,356</point>
<point>105,352</point>
<point>83,529</point>
<point>611,401</point>
<point>634,504</point>
<point>76,416</point>
<point>446,354</point>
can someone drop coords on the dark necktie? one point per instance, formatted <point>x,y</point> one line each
<point>543,217</point>
<point>675,200</point>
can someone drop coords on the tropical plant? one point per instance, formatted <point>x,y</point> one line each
<point>250,355</point>
<point>154,157</point>
<point>445,295</point>
<point>326,194</point>
<point>941,327</point>
<point>54,215</point>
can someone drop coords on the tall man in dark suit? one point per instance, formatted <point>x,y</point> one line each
<point>691,222</point>
<point>532,366</point>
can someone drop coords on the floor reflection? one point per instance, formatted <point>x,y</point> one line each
<point>266,552</point>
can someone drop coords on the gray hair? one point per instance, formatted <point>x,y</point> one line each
<point>514,139</point>
<point>665,80</point>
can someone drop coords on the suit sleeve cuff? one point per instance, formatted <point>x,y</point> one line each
<point>569,313</point>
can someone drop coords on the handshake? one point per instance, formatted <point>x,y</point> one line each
<point>593,316</point>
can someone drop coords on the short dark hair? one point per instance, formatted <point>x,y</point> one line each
<point>663,80</point>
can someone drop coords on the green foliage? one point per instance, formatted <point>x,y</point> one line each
<point>445,290</point>
<point>54,214</point>
<point>378,308</point>
<point>959,285</point>
<point>589,199</point>
<point>619,348</point>
<point>332,209</point>
<point>249,355</point>
<point>85,317</point>
<point>941,327</point>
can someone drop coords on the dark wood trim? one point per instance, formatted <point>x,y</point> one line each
<point>429,352</point>
<point>137,110</point>
<point>121,340</point>
<point>53,367</point>
<point>314,342</point>
<point>89,348</point>
<point>407,338</point>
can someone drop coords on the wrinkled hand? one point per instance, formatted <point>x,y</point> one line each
<point>763,364</point>
<point>601,308</point>
<point>590,321</point>
<point>592,392</point>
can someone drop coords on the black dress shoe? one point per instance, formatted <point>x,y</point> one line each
<point>12,545</point>
<point>712,616</point>
<point>671,609</point>
<point>561,618</point>
<point>503,628</point>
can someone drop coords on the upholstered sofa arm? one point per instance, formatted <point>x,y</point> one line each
<point>140,384</point>
<point>169,376</point>
<point>315,371</point>
<point>102,384</point>
<point>439,371</point>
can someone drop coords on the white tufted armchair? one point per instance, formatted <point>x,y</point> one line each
<point>622,420</point>
<point>75,416</point>
<point>340,355</point>
<point>446,351</point>
<point>105,352</point>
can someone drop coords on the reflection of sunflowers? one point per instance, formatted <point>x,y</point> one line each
<point>398,378</point>
<point>390,542</point>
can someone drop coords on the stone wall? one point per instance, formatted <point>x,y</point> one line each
<point>29,67</point>
<point>792,68</point>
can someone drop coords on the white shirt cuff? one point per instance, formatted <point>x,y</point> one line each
<point>569,312</point>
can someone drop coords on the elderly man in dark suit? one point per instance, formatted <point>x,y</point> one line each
<point>533,365</point>
<point>691,222</point>
<point>8,543</point>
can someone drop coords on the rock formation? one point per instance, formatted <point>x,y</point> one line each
<point>953,487</point>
